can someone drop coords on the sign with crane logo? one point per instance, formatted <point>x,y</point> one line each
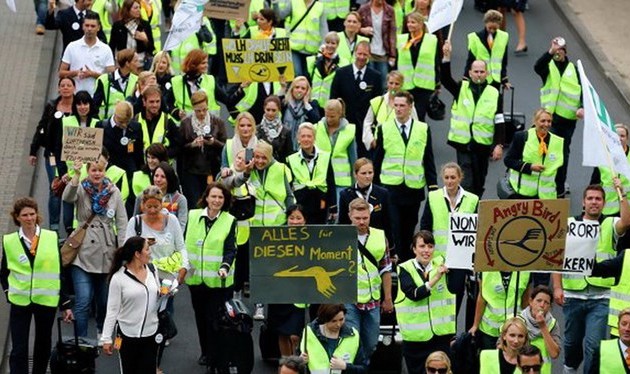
<point>258,60</point>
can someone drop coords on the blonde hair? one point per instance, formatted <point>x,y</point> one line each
<point>416,16</point>
<point>452,165</point>
<point>156,60</point>
<point>306,126</point>
<point>439,356</point>
<point>514,321</point>
<point>337,105</point>
<point>361,162</point>
<point>396,75</point>
<point>123,110</point>
<point>300,79</point>
<point>332,37</point>
<point>539,112</point>
<point>199,97</point>
<point>264,148</point>
<point>248,116</point>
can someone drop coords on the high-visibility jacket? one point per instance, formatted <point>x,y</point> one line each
<point>382,111</point>
<point>368,278</point>
<point>159,133</point>
<point>270,196</point>
<point>182,98</point>
<point>139,181</point>
<point>605,251</point>
<point>539,342</point>
<point>154,21</point>
<point>320,87</point>
<point>248,101</point>
<point>205,248</point>
<point>422,74</point>
<point>489,362</point>
<point>619,297</point>
<point>543,183</point>
<point>440,213</point>
<point>192,42</point>
<point>39,284</point>
<point>278,32</point>
<point>111,96</point>
<point>343,50</point>
<point>494,58</point>
<point>611,359</point>
<point>432,316</point>
<point>305,38</point>
<point>499,301</point>
<point>303,178</point>
<point>400,11</point>
<point>473,121</point>
<point>336,8</point>
<point>611,204</point>
<point>318,357</point>
<point>340,158</point>
<point>403,162</point>
<point>116,174</point>
<point>561,93</point>
<point>100,7</point>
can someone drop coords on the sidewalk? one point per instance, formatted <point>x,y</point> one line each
<point>25,64</point>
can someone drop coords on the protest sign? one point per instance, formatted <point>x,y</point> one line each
<point>460,250</point>
<point>582,239</point>
<point>257,60</point>
<point>517,235</point>
<point>443,13</point>
<point>186,22</point>
<point>227,9</point>
<point>81,144</point>
<point>306,264</point>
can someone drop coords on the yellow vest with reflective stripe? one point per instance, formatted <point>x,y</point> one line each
<point>611,359</point>
<point>115,174</point>
<point>111,96</point>
<point>270,196</point>
<point>139,181</point>
<point>441,217</point>
<point>494,59</point>
<point>403,163</point>
<point>470,120</point>
<point>368,278</point>
<point>422,75</point>
<point>205,250</point>
<point>305,38</point>
<point>336,8</point>
<point>541,184</point>
<point>489,362</point>
<point>318,359</point>
<point>382,111</point>
<point>499,304</point>
<point>100,7</point>
<point>619,296</point>
<point>41,283</point>
<point>248,101</point>
<point>303,178</point>
<point>158,132</point>
<point>320,87</point>
<point>420,320</point>
<point>343,50</point>
<point>156,10</point>
<point>192,42</point>
<point>182,99</point>
<point>611,205</point>
<point>561,94</point>
<point>278,32</point>
<point>540,343</point>
<point>339,158</point>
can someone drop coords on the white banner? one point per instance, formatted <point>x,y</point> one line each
<point>186,21</point>
<point>11,5</point>
<point>601,144</point>
<point>460,249</point>
<point>582,239</point>
<point>443,13</point>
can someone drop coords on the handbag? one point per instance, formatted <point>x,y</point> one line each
<point>436,109</point>
<point>504,188</point>
<point>57,186</point>
<point>166,325</point>
<point>70,248</point>
<point>243,207</point>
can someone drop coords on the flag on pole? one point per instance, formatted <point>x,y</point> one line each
<point>186,21</point>
<point>11,5</point>
<point>601,144</point>
<point>443,13</point>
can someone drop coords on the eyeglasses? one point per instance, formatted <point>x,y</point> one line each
<point>531,368</point>
<point>431,370</point>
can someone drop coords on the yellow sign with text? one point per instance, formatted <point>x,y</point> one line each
<point>257,60</point>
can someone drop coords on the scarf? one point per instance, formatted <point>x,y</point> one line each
<point>542,146</point>
<point>198,125</point>
<point>533,330</point>
<point>132,27</point>
<point>237,144</point>
<point>414,40</point>
<point>271,129</point>
<point>98,199</point>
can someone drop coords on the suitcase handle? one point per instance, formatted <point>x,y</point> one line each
<point>511,99</point>
<point>74,325</point>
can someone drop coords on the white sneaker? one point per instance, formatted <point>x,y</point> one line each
<point>259,314</point>
<point>98,339</point>
<point>237,295</point>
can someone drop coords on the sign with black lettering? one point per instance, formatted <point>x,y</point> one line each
<point>257,60</point>
<point>460,250</point>
<point>582,240</point>
<point>519,235</point>
<point>81,144</point>
<point>303,264</point>
<point>227,9</point>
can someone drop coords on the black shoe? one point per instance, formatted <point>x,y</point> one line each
<point>202,361</point>
<point>521,52</point>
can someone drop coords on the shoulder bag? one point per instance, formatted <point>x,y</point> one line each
<point>70,248</point>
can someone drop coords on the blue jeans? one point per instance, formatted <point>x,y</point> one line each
<point>367,323</point>
<point>299,63</point>
<point>382,67</point>
<point>578,315</point>
<point>88,287</point>
<point>41,9</point>
<point>55,204</point>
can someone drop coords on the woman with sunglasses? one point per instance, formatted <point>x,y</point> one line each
<point>438,363</point>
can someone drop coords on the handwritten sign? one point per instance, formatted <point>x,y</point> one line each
<point>257,60</point>
<point>460,250</point>
<point>306,264</point>
<point>582,240</point>
<point>81,144</point>
<point>518,235</point>
<point>227,9</point>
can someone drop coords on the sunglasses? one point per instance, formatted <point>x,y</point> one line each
<point>529,369</point>
<point>431,370</point>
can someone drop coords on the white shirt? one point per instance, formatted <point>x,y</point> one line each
<point>407,126</point>
<point>97,58</point>
<point>355,69</point>
<point>118,77</point>
<point>26,240</point>
<point>376,45</point>
<point>458,197</point>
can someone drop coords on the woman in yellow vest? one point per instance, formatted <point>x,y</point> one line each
<point>142,178</point>
<point>534,158</point>
<point>542,327</point>
<point>272,130</point>
<point>328,345</point>
<point>503,360</point>
<point>490,45</point>
<point>150,12</point>
<point>244,138</point>
<point>419,62</point>
<point>425,307</point>
<point>163,70</point>
<point>349,38</point>
<point>211,242</point>
<point>30,274</point>
<point>438,363</point>
<point>266,26</point>
<point>322,68</point>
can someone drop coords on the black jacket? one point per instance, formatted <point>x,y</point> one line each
<point>120,33</point>
<point>63,21</point>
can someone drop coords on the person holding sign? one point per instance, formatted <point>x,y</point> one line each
<point>266,26</point>
<point>504,359</point>
<point>425,307</point>
<point>585,300</point>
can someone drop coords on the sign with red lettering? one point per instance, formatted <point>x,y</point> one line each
<point>517,235</point>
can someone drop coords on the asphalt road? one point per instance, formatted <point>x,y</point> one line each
<point>544,23</point>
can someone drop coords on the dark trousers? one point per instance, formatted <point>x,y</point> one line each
<point>241,269</point>
<point>564,128</point>
<point>206,303</point>
<point>138,355</point>
<point>475,168</point>
<point>416,353</point>
<point>421,101</point>
<point>193,186</point>
<point>404,214</point>
<point>462,283</point>
<point>20,324</point>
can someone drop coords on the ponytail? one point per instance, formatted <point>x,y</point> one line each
<point>124,254</point>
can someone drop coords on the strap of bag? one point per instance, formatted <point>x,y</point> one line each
<point>364,251</point>
<point>308,10</point>
<point>89,220</point>
<point>378,110</point>
<point>138,225</point>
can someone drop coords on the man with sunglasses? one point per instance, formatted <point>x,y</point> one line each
<point>529,359</point>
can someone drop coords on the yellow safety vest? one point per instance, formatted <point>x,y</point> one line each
<point>305,38</point>
<point>158,133</point>
<point>473,121</point>
<point>339,158</point>
<point>382,111</point>
<point>139,181</point>
<point>611,359</point>
<point>540,343</point>
<point>441,221</point>
<point>192,42</point>
<point>270,196</point>
<point>346,56</point>
<point>619,296</point>
<point>489,362</point>
<point>100,7</point>
<point>278,32</point>
<point>494,58</point>
<point>320,88</point>
<point>611,205</point>
<point>561,93</point>
<point>336,8</point>
<point>499,301</point>
<point>403,162</point>
<point>303,178</point>
<point>422,75</point>
<point>182,98</point>
<point>154,21</point>
<point>318,358</point>
<point>368,278</point>
<point>248,101</point>
<point>111,96</point>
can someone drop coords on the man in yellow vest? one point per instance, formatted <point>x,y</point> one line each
<point>613,356</point>
<point>561,95</point>
<point>374,270</point>
<point>157,126</point>
<point>114,87</point>
<point>585,300</point>
<point>529,359</point>
<point>477,132</point>
<point>404,165</point>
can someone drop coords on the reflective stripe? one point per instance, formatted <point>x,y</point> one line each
<point>206,258</point>
<point>18,291</point>
<point>393,173</point>
<point>415,326</point>
<point>491,323</point>
<point>412,309</point>
<point>44,292</point>
<point>440,232</point>
<point>394,160</point>
<point>461,118</point>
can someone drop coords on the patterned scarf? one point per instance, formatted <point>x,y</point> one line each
<point>98,199</point>
<point>271,129</point>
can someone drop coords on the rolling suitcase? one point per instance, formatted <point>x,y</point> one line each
<point>234,332</point>
<point>514,121</point>
<point>73,355</point>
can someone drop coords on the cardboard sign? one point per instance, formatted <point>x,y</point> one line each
<point>582,239</point>
<point>257,60</point>
<point>460,250</point>
<point>303,264</point>
<point>519,235</point>
<point>227,9</point>
<point>81,144</point>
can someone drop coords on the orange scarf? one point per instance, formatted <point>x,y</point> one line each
<point>34,244</point>
<point>267,34</point>
<point>542,146</point>
<point>414,40</point>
